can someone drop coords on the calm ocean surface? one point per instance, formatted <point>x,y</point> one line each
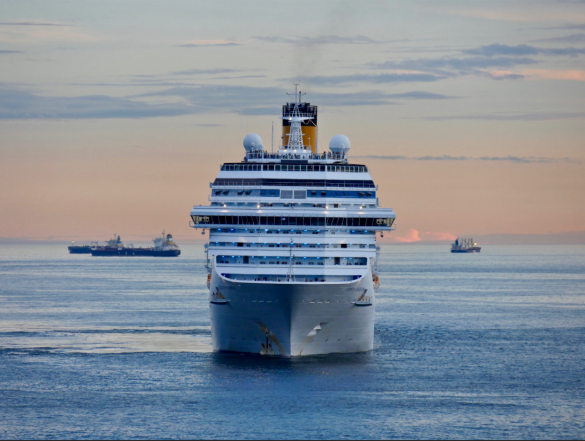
<point>467,346</point>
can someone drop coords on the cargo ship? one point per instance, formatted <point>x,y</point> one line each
<point>464,246</point>
<point>163,247</point>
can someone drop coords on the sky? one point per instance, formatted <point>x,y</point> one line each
<point>116,115</point>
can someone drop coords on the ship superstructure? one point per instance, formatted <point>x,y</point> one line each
<point>292,255</point>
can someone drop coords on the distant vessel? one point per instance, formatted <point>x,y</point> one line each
<point>464,246</point>
<point>163,247</point>
<point>79,249</point>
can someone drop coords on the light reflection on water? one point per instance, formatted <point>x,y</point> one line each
<point>490,345</point>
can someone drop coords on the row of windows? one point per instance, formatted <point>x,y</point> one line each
<point>286,231</point>
<point>283,278</point>
<point>340,194</point>
<point>283,260</point>
<point>296,167</point>
<point>295,183</point>
<point>298,194</point>
<point>291,245</point>
<point>291,220</point>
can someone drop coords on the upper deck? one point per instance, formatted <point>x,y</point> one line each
<point>295,186</point>
<point>299,157</point>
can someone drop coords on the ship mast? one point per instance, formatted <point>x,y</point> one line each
<point>296,118</point>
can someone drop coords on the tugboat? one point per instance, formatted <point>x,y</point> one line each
<point>79,249</point>
<point>163,247</point>
<point>464,246</point>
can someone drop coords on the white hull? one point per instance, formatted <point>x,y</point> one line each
<point>295,318</point>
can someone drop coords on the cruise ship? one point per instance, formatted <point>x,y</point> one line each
<point>292,255</point>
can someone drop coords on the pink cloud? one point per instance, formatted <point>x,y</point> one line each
<point>554,74</point>
<point>411,236</point>
<point>439,236</point>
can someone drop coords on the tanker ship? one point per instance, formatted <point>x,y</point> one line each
<point>163,247</point>
<point>292,255</point>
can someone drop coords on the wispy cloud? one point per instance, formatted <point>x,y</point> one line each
<point>427,235</point>
<point>439,65</point>
<point>516,11</point>
<point>410,236</point>
<point>239,77</point>
<point>528,159</point>
<point>33,31</point>
<point>413,235</point>
<point>338,80</point>
<point>574,38</point>
<point>522,50</point>
<point>550,116</point>
<point>18,103</point>
<point>420,95</point>
<point>206,43</point>
<point>257,111</point>
<point>32,23</point>
<point>513,159</point>
<point>495,61</point>
<point>237,99</point>
<point>207,71</point>
<point>10,52</point>
<point>323,39</point>
<point>555,74</point>
<point>504,77</point>
<point>576,26</point>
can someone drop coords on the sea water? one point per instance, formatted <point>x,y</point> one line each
<point>487,345</point>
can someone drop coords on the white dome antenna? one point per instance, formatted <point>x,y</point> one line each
<point>339,144</point>
<point>253,143</point>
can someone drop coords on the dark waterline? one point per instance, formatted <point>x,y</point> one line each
<point>489,345</point>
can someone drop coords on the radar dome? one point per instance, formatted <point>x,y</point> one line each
<point>339,144</point>
<point>253,143</point>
